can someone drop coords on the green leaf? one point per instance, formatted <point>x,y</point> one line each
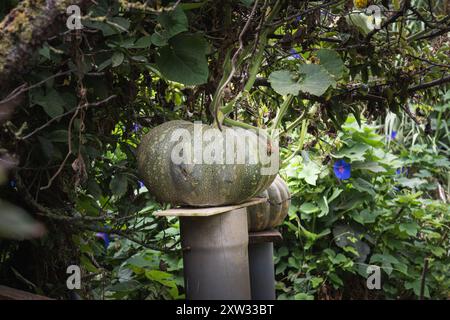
<point>303,296</point>
<point>184,59</point>
<point>117,59</point>
<point>143,42</point>
<point>119,185</point>
<point>354,153</point>
<point>323,204</point>
<point>310,172</point>
<point>383,258</point>
<point>86,263</point>
<point>415,286</point>
<point>159,39</point>
<point>125,286</point>
<point>282,81</point>
<point>334,195</point>
<point>308,207</point>
<point>173,22</point>
<point>104,64</point>
<point>316,80</point>
<point>331,61</point>
<point>363,186</point>
<point>58,136</point>
<point>365,216</point>
<point>45,51</point>
<point>348,236</point>
<point>411,183</point>
<point>247,3</point>
<point>52,103</point>
<point>411,228</point>
<point>316,281</point>
<point>370,166</point>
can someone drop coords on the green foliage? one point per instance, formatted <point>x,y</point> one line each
<point>380,216</point>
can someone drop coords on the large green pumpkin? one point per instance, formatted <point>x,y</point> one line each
<point>270,214</point>
<point>199,184</point>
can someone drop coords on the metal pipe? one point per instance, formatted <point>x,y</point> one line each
<point>262,273</point>
<point>215,256</point>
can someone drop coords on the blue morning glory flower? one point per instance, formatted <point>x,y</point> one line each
<point>104,236</point>
<point>393,134</point>
<point>294,53</point>
<point>136,127</point>
<point>342,169</point>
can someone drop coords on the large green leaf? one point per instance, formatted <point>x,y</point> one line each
<point>184,59</point>
<point>173,22</point>
<point>283,82</point>
<point>331,61</point>
<point>316,79</point>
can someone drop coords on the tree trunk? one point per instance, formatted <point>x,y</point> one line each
<point>26,28</point>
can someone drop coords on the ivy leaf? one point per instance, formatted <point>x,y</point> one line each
<point>331,61</point>
<point>282,81</point>
<point>316,79</point>
<point>184,59</point>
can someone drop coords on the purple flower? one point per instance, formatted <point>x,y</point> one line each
<point>294,53</point>
<point>136,127</point>
<point>298,19</point>
<point>104,236</point>
<point>401,170</point>
<point>393,135</point>
<point>141,184</point>
<point>342,169</point>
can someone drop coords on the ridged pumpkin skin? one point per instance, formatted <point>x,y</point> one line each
<point>200,185</point>
<point>270,214</point>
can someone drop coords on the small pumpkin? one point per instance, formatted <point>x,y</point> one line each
<point>270,214</point>
<point>199,184</point>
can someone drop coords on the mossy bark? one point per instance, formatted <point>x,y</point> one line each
<point>26,28</point>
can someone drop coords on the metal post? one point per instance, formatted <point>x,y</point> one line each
<point>262,269</point>
<point>262,274</point>
<point>215,256</point>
